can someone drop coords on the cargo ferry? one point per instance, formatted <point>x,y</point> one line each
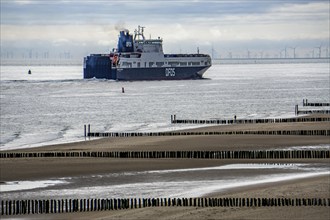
<point>138,58</point>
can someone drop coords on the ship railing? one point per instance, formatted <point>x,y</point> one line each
<point>186,55</point>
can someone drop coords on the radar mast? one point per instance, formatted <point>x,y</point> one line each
<point>139,33</point>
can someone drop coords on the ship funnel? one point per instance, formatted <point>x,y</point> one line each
<point>125,42</point>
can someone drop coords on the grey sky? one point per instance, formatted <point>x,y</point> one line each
<point>227,26</point>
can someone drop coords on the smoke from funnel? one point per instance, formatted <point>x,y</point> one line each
<point>120,26</point>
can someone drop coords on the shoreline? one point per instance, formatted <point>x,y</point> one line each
<point>280,188</point>
<point>230,191</point>
<point>202,127</point>
<point>193,142</point>
<point>19,169</point>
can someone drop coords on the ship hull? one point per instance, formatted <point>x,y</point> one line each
<point>162,73</point>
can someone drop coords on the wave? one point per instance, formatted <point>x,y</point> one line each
<point>15,136</point>
<point>41,81</point>
<point>56,81</point>
<point>63,132</point>
<point>30,140</point>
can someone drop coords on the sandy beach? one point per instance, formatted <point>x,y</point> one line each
<point>20,169</point>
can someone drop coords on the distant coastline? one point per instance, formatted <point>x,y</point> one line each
<point>216,61</point>
<point>41,62</point>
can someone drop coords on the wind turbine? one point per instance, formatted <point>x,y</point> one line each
<point>214,52</point>
<point>229,54</point>
<point>294,51</point>
<point>248,53</point>
<point>281,53</point>
<point>320,47</point>
<point>327,52</point>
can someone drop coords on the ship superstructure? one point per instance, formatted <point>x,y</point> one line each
<point>139,58</point>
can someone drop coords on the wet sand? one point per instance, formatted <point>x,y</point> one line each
<point>43,168</point>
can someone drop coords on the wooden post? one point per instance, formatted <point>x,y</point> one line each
<point>89,131</point>
<point>85,132</point>
<point>296,110</point>
<point>2,207</point>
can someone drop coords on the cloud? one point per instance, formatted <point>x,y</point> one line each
<point>102,12</point>
<point>23,2</point>
<point>55,32</point>
<point>60,41</point>
<point>179,23</point>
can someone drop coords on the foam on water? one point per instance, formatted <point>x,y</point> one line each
<point>242,166</point>
<point>307,147</point>
<point>26,185</point>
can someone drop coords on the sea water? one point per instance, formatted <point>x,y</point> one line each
<point>53,104</point>
<point>193,182</point>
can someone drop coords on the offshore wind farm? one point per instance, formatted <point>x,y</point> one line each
<point>286,54</point>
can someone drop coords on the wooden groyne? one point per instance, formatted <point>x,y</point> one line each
<point>26,207</point>
<point>310,111</point>
<point>306,112</point>
<point>247,154</point>
<point>210,133</point>
<point>315,104</point>
<point>248,121</point>
<point>174,120</point>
